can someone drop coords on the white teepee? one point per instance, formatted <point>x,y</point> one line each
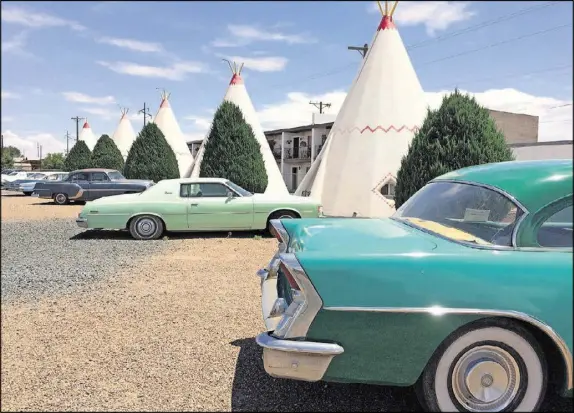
<point>124,135</point>
<point>165,120</point>
<point>237,93</point>
<point>372,132</point>
<point>88,136</point>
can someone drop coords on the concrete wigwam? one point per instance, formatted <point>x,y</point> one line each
<point>88,136</point>
<point>237,94</point>
<point>355,173</point>
<point>166,121</point>
<point>124,134</point>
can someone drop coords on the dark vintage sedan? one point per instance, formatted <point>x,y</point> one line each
<point>88,185</point>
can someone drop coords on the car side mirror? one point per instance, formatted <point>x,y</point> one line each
<point>230,195</point>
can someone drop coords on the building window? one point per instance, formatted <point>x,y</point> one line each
<point>388,190</point>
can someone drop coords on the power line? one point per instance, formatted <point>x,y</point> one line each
<point>560,106</point>
<point>320,105</point>
<point>485,79</point>
<point>484,24</point>
<point>440,38</point>
<point>491,45</point>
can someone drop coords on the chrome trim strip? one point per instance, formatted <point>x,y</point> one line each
<point>283,234</point>
<point>525,211</point>
<point>439,311</point>
<point>328,349</point>
<point>308,309</point>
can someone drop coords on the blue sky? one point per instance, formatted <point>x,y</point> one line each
<point>86,58</point>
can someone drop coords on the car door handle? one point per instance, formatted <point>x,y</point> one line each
<point>194,204</point>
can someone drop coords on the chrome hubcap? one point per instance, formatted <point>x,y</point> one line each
<point>486,378</point>
<point>146,227</point>
<point>285,217</point>
<point>60,198</point>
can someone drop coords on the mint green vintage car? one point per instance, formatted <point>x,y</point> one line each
<point>193,204</point>
<point>464,293</point>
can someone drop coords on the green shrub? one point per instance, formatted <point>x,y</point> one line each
<point>107,155</point>
<point>232,151</point>
<point>151,157</point>
<point>53,161</point>
<point>460,133</point>
<point>79,157</point>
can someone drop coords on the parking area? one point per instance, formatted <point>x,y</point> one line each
<point>97,321</point>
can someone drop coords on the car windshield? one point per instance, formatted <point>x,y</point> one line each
<point>238,189</point>
<point>13,174</point>
<point>115,176</point>
<point>36,176</point>
<point>462,212</point>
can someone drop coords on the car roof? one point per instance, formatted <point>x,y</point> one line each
<point>533,183</point>
<point>198,180</point>
<point>94,170</point>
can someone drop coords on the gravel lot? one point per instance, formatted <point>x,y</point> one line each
<point>170,327</point>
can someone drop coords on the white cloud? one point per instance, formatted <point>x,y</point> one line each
<point>16,45</point>
<point>136,45</point>
<point>28,143</point>
<point>176,71</point>
<point>261,64</point>
<point>244,34</point>
<point>10,95</point>
<point>201,122</point>
<point>83,98</point>
<point>555,118</point>
<point>434,15</point>
<point>28,18</point>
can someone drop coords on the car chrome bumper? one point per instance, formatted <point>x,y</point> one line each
<point>82,222</point>
<point>298,360</point>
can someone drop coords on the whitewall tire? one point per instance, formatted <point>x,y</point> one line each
<point>146,227</point>
<point>491,367</point>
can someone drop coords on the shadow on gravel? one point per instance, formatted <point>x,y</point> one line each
<point>168,236</point>
<point>52,203</point>
<point>254,390</point>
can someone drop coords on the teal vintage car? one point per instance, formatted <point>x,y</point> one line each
<point>464,293</point>
<point>193,204</point>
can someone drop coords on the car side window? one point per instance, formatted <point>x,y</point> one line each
<point>211,190</point>
<point>52,177</point>
<point>80,176</point>
<point>99,177</point>
<point>556,231</point>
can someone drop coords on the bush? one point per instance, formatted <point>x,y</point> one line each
<point>107,155</point>
<point>79,157</point>
<point>53,161</point>
<point>232,152</point>
<point>151,157</point>
<point>460,133</point>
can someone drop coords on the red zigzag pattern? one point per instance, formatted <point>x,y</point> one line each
<point>368,128</point>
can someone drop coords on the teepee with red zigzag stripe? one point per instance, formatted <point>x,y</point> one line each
<point>87,135</point>
<point>355,173</point>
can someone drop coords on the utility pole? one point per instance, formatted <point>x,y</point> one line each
<point>68,137</point>
<point>2,141</point>
<point>77,119</point>
<point>362,50</point>
<point>37,149</point>
<point>40,155</point>
<point>145,112</point>
<point>320,105</point>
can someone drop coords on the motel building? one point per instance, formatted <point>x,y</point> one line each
<point>296,148</point>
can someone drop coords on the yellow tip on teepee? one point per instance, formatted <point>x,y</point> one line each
<point>386,12</point>
<point>233,67</point>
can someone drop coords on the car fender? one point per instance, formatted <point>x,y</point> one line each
<point>135,214</point>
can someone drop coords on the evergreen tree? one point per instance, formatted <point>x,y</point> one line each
<point>107,155</point>
<point>79,157</point>
<point>151,157</point>
<point>232,151</point>
<point>460,133</point>
<point>53,161</point>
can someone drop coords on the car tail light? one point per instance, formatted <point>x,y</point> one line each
<point>286,272</point>
<point>306,303</point>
